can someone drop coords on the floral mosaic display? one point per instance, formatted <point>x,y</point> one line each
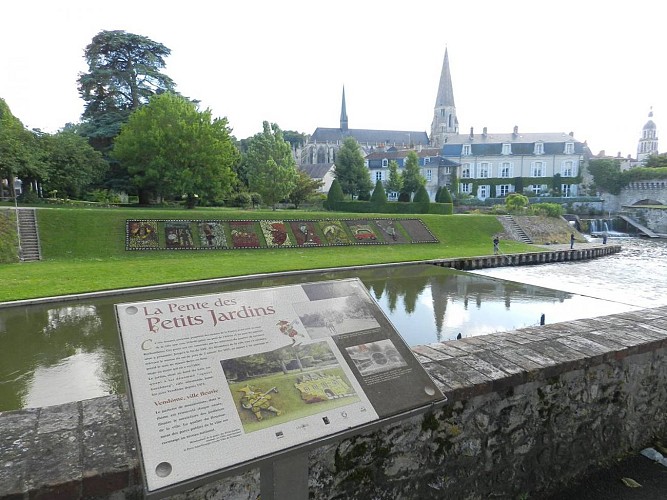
<point>244,234</point>
<point>362,232</point>
<point>305,233</point>
<point>275,233</point>
<point>219,234</point>
<point>335,233</point>
<point>212,234</point>
<point>141,235</point>
<point>178,235</point>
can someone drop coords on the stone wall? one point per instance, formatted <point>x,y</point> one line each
<point>528,411</point>
<point>655,190</point>
<point>653,218</point>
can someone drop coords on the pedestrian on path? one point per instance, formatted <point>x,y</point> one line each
<point>496,242</point>
<point>571,241</point>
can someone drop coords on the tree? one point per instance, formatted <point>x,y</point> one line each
<point>73,164</point>
<point>515,202</point>
<point>124,72</point>
<point>351,170</point>
<point>421,196</point>
<point>20,155</point>
<point>334,195</point>
<point>379,196</point>
<point>305,188</point>
<point>395,182</point>
<point>170,148</point>
<point>271,168</point>
<point>606,174</point>
<point>656,161</point>
<point>445,196</point>
<point>412,177</point>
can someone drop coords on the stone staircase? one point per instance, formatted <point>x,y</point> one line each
<point>509,221</point>
<point>30,249</point>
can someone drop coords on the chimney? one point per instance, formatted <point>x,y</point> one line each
<point>472,135</point>
<point>484,132</point>
<point>516,130</point>
<point>619,154</point>
<point>571,134</point>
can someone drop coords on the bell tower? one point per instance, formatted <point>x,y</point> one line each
<point>648,143</point>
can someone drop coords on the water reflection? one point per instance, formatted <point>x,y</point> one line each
<point>60,352</point>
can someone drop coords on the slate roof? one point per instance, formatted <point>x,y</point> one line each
<point>392,154</point>
<point>368,136</point>
<point>316,170</point>
<point>522,144</point>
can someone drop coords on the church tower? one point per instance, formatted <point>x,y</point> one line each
<point>444,115</point>
<point>343,114</point>
<point>648,143</point>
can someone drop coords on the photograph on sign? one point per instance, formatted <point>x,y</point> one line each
<point>221,379</point>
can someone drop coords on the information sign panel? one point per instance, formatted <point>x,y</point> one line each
<point>217,380</point>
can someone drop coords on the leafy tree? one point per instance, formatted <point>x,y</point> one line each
<point>351,170</point>
<point>170,148</point>
<point>404,197</point>
<point>124,71</point>
<point>516,201</point>
<point>20,155</point>
<point>395,182</point>
<point>379,196</point>
<point>606,174</point>
<point>412,177</point>
<point>334,195</point>
<point>73,164</point>
<point>296,139</point>
<point>305,188</point>
<point>271,166</point>
<point>656,161</point>
<point>421,196</point>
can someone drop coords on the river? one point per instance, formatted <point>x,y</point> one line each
<point>67,351</point>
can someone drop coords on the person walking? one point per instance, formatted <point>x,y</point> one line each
<point>496,243</point>
<point>571,241</point>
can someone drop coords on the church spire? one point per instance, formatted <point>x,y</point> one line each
<point>648,143</point>
<point>444,114</point>
<point>343,114</point>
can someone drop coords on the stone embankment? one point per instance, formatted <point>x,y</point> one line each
<point>528,411</point>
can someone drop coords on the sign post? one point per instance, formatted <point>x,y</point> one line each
<point>230,380</point>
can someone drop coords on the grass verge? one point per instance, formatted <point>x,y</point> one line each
<point>84,250</point>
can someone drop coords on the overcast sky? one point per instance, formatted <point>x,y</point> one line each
<point>592,68</point>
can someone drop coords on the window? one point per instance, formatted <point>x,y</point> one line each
<point>569,148</point>
<point>427,160</point>
<point>429,174</point>
<point>567,169</point>
<point>503,190</point>
<point>566,189</point>
<point>466,150</point>
<point>483,170</point>
<point>536,189</point>
<point>385,162</point>
<point>483,192</point>
<point>539,148</point>
<point>392,195</point>
<point>506,170</point>
<point>465,171</point>
<point>378,175</point>
<point>507,148</point>
<point>466,188</point>
<point>537,169</point>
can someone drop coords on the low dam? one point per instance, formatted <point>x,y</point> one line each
<point>528,411</point>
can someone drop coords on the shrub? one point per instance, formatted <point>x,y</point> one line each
<point>404,197</point>
<point>379,195</point>
<point>421,196</point>
<point>444,195</point>
<point>240,200</point>
<point>335,195</point>
<point>547,209</point>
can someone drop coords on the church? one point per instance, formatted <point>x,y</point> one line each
<point>478,165</point>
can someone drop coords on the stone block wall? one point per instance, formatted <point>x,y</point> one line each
<point>528,411</point>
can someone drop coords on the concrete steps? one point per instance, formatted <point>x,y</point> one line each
<point>519,231</point>
<point>28,235</point>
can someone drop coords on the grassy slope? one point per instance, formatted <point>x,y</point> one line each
<point>84,250</point>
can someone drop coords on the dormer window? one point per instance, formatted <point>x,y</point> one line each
<point>569,148</point>
<point>507,148</point>
<point>385,162</point>
<point>539,148</point>
<point>466,150</point>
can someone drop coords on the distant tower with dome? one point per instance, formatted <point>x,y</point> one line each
<point>648,143</point>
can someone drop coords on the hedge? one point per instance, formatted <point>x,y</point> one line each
<point>365,207</point>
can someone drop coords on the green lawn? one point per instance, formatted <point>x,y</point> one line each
<point>83,250</point>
